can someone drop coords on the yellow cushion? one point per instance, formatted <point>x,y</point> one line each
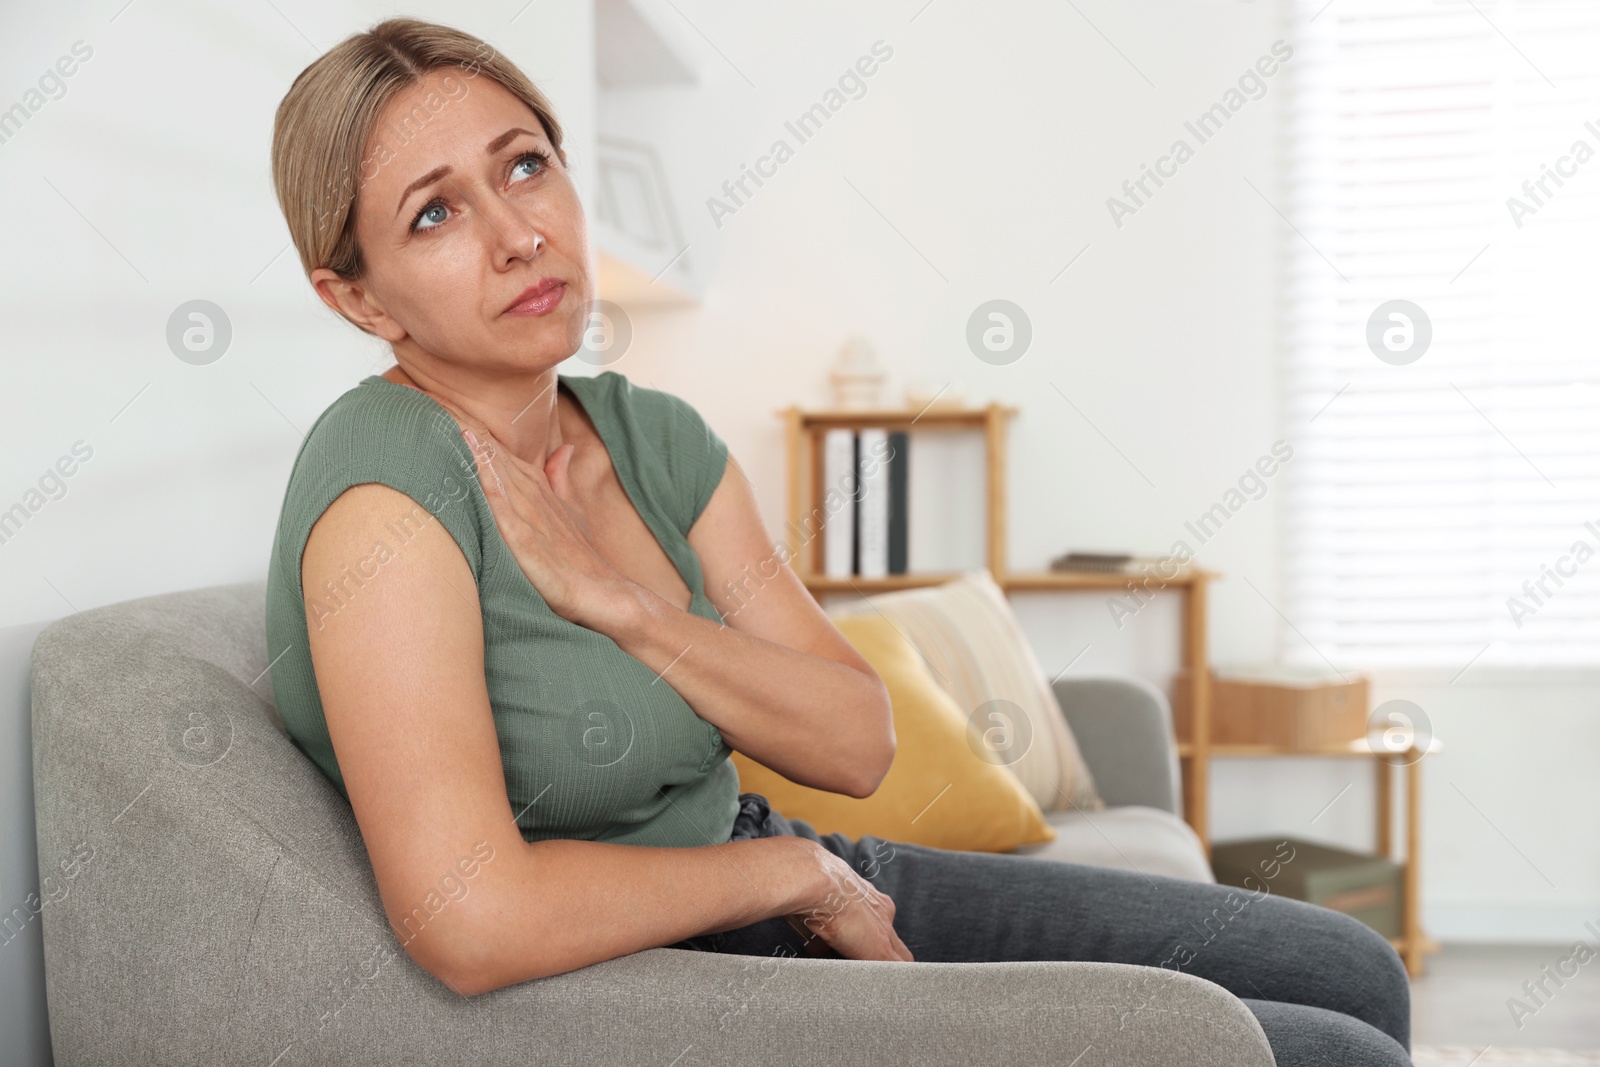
<point>940,791</point>
<point>975,647</point>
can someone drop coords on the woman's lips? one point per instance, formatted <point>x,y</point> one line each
<point>540,300</point>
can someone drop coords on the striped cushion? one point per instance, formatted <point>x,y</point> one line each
<point>975,648</point>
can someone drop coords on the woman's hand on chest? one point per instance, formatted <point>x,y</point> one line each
<point>550,539</point>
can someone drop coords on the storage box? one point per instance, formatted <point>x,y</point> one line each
<point>1361,885</point>
<point>1291,709</point>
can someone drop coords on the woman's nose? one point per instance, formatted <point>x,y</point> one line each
<point>513,228</point>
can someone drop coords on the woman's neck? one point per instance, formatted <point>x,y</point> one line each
<point>531,430</point>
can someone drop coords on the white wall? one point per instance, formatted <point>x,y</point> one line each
<point>161,144</point>
<point>990,141</point>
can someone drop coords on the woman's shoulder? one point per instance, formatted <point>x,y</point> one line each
<point>381,431</point>
<point>384,413</point>
<point>379,425</point>
<point>653,410</point>
<point>669,441</point>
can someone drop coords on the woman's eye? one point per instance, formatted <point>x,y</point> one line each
<point>424,214</point>
<point>531,160</point>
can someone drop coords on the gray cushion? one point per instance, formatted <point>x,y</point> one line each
<point>1124,730</point>
<point>229,914</point>
<point>1132,838</point>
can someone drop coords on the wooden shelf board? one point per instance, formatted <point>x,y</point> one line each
<point>1353,748</point>
<point>893,418</point>
<point>1026,580</point>
<point>855,583</point>
<point>1011,580</point>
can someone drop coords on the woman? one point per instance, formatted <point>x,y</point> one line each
<point>543,678</point>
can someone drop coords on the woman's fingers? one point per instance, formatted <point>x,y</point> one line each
<point>883,910</point>
<point>494,490</point>
<point>519,494</point>
<point>557,468</point>
<point>511,475</point>
<point>525,483</point>
<point>841,922</point>
<point>885,914</point>
<point>905,953</point>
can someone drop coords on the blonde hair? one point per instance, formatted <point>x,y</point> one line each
<point>325,120</point>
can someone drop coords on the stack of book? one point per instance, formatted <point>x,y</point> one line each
<point>1105,562</point>
<point>867,470</point>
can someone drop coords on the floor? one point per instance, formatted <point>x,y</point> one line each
<point>1462,999</point>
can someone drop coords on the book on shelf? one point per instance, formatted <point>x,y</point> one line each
<point>899,500</point>
<point>839,532</point>
<point>869,536</point>
<point>872,505</point>
<point>1106,562</point>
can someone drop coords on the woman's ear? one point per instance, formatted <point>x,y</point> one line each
<point>351,300</point>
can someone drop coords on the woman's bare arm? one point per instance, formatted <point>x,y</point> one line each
<point>400,670</point>
<point>778,680</point>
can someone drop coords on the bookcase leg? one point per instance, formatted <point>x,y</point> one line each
<point>1412,919</point>
<point>1384,772</point>
<point>1197,779</point>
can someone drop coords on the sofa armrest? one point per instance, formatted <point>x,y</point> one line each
<point>654,1006</point>
<point>1123,727</point>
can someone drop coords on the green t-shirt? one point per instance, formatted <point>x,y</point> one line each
<point>593,745</point>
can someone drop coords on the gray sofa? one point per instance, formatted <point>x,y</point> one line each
<point>208,900</point>
<point>1124,730</point>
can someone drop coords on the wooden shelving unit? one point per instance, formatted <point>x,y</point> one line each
<point>1413,943</point>
<point>804,430</point>
<point>804,439</point>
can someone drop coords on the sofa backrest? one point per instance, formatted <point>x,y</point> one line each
<point>172,811</point>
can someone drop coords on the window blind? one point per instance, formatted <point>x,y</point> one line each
<point>1443,509</point>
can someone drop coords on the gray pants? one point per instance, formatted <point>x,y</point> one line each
<point>1326,988</point>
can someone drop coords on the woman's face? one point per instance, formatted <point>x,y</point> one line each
<point>457,223</point>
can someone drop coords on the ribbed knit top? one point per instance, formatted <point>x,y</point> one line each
<point>593,744</point>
